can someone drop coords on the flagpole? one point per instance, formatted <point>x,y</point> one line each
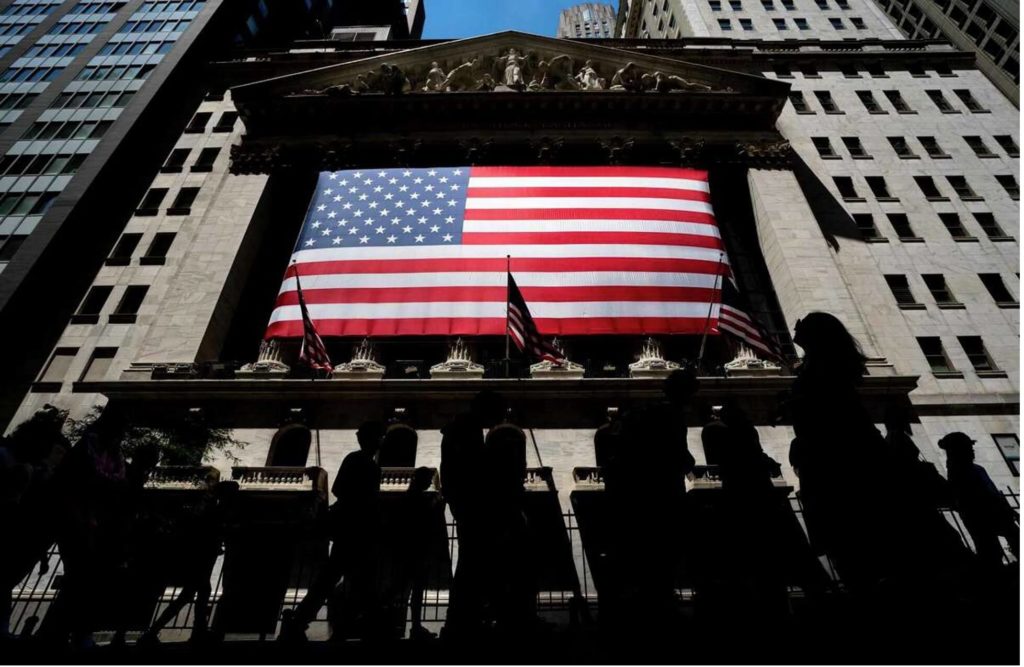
<point>711,306</point>
<point>508,296</point>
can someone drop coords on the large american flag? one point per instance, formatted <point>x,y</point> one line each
<point>595,250</point>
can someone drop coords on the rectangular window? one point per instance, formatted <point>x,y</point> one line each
<point>845,186</point>
<point>855,148</point>
<point>931,347</point>
<point>824,147</point>
<point>57,368</point>
<point>876,70</point>
<point>182,204</point>
<point>837,23</point>
<point>1009,447</point>
<point>993,282</point>
<point>226,122</point>
<point>955,227</point>
<point>850,71</point>
<point>716,5</point>
<point>92,304</point>
<point>977,144</point>
<point>897,101</point>
<point>928,188</point>
<point>972,104</point>
<point>901,225</point>
<point>128,306</point>
<point>99,363</point>
<point>879,188</point>
<point>962,188</point>
<point>783,72</point>
<point>746,24</point>
<point>796,98</point>
<point>810,72</point>
<point>724,24</point>
<point>736,5</point>
<point>801,24</point>
<point>198,123</point>
<point>122,253</point>
<point>1008,144</point>
<point>780,24</point>
<point>826,101</point>
<point>157,252</point>
<point>932,147</point>
<point>858,23</point>
<point>869,102</point>
<point>976,353</point>
<point>769,5</point>
<point>936,283</point>
<point>901,291</point>
<point>866,226</point>
<point>151,202</point>
<point>992,230</point>
<point>940,101</point>
<point>176,160</point>
<point>207,157</point>
<point>789,5</point>
<point>902,148</point>
<point>1009,184</point>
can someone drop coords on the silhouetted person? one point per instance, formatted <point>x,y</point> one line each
<point>398,450</point>
<point>417,514</point>
<point>27,461</point>
<point>875,534</point>
<point>195,563</point>
<point>985,512</point>
<point>463,482</point>
<point>921,479</point>
<point>606,440</point>
<point>355,523</point>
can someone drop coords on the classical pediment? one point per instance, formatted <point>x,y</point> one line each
<point>512,63</point>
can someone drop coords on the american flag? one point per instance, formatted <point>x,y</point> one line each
<point>596,250</point>
<point>734,320</point>
<point>313,353</point>
<point>523,330</point>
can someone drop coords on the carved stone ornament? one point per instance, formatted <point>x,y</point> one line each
<point>618,149</point>
<point>458,366</point>
<point>766,154</point>
<point>547,149</point>
<point>549,370</point>
<point>690,150</point>
<point>270,362</point>
<point>651,364</point>
<point>363,365</point>
<point>748,364</point>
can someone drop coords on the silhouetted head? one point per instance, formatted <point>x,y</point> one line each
<point>824,338</point>
<point>421,479</point>
<point>680,385</point>
<point>489,407</point>
<point>32,440</point>
<point>958,446</point>
<point>369,436</point>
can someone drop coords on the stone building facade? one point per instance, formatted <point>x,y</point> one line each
<point>588,20</point>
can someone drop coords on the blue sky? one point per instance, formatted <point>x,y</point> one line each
<point>466,18</point>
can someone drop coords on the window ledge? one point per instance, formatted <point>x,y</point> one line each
<point>972,198</point>
<point>83,318</point>
<point>46,387</point>
<point>979,111</point>
<point>223,129</point>
<point>854,200</point>
<point>950,111</point>
<point>985,156</point>
<point>937,198</point>
<point>909,157</point>
<point>862,157</point>
<point>123,318</point>
<point>948,375</point>
<point>951,306</point>
<point>201,168</point>
<point>831,157</point>
<point>911,239</point>
<point>965,239</point>
<point>876,239</point>
<point>943,156</point>
<point>185,210</point>
<point>152,261</point>
<point>1013,155</point>
<point>912,306</point>
<point>1001,239</point>
<point>1013,305</point>
<point>909,112</point>
<point>879,112</point>
<point>806,113</point>
<point>170,170</point>
<point>887,200</point>
<point>118,261</point>
<point>836,113</point>
<point>991,374</point>
<point>194,130</point>
<point>147,211</point>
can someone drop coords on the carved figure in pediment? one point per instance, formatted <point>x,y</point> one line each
<point>513,69</point>
<point>388,79</point>
<point>539,72</point>
<point>627,78</point>
<point>435,78</point>
<point>464,77</point>
<point>486,83</point>
<point>559,75</point>
<point>588,77</point>
<point>663,83</point>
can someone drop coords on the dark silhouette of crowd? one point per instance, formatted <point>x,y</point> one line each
<point>872,511</point>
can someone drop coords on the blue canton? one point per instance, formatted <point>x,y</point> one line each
<point>372,208</point>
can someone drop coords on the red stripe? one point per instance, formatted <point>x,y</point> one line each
<point>519,264</point>
<point>635,172</point>
<point>566,238</point>
<point>492,326</point>
<point>464,293</point>
<point>634,192</point>
<point>588,214</point>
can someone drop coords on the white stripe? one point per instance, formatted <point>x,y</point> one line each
<point>514,203</point>
<point>586,182</point>
<point>497,279</point>
<point>516,251</point>
<point>496,310</point>
<point>739,324</point>
<point>658,226</point>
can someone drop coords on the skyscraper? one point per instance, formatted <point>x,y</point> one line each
<point>587,20</point>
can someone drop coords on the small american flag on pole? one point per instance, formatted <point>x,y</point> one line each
<point>595,250</point>
<point>734,320</point>
<point>313,353</point>
<point>523,330</point>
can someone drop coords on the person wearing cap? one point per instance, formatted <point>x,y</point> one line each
<point>984,510</point>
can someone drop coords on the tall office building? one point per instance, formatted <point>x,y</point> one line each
<point>587,20</point>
